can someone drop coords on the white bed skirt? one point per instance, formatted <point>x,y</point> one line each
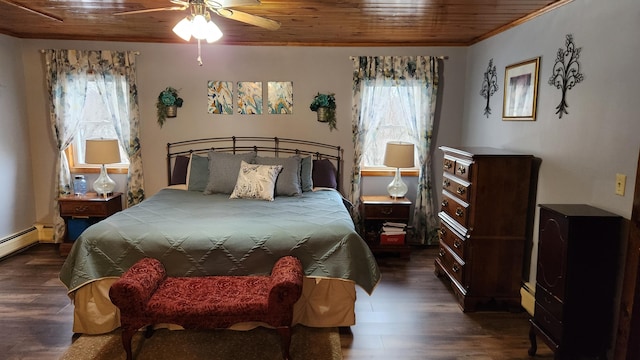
<point>324,302</point>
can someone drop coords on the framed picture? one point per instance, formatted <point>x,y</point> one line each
<point>521,90</point>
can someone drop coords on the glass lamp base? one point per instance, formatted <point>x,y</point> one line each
<point>104,185</point>
<point>397,188</point>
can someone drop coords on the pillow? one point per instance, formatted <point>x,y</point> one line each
<point>288,182</point>
<point>324,174</point>
<point>198,174</point>
<point>223,171</point>
<point>256,181</point>
<point>306,171</point>
<point>180,167</point>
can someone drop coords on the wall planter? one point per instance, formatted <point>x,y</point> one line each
<point>167,105</point>
<point>325,107</point>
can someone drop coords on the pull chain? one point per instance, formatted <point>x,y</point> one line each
<point>199,57</point>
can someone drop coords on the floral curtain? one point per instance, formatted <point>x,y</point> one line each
<point>381,70</point>
<point>115,77</point>
<point>67,73</point>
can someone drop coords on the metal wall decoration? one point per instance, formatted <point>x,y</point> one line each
<point>566,72</point>
<point>489,86</point>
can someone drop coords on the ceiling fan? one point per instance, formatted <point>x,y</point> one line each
<point>221,8</point>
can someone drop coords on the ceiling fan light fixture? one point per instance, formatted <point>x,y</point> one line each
<point>213,32</point>
<point>199,27</point>
<point>183,29</point>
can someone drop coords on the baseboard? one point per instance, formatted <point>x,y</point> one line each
<point>18,241</point>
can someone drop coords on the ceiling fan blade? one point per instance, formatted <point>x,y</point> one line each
<point>248,18</point>
<point>37,12</point>
<point>171,8</point>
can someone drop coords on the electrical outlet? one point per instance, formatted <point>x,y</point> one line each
<point>621,181</point>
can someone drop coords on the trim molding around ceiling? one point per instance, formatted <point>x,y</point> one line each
<point>522,20</point>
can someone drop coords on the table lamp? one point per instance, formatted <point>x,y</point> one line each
<point>102,151</point>
<point>398,155</point>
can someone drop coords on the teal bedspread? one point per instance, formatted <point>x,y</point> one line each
<point>199,235</point>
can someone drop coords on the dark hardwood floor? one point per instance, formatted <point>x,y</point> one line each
<point>411,315</point>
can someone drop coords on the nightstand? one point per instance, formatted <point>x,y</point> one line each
<point>79,212</point>
<point>375,210</point>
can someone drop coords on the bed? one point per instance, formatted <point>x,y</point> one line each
<point>216,218</point>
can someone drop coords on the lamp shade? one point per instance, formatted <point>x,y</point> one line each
<point>399,154</point>
<point>102,151</point>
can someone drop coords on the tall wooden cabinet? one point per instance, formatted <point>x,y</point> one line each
<point>484,219</point>
<point>578,249</point>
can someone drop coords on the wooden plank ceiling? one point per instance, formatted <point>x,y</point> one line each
<point>303,22</point>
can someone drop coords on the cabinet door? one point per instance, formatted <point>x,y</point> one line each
<point>552,253</point>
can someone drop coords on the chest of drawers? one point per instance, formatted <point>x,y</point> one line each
<point>485,218</point>
<point>575,281</point>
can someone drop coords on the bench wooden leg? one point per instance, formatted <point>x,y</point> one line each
<point>127,335</point>
<point>285,340</point>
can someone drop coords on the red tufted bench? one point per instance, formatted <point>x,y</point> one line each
<point>146,296</point>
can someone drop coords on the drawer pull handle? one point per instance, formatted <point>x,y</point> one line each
<point>459,212</point>
<point>547,300</point>
<point>447,165</point>
<point>442,232</point>
<point>441,253</point>
<point>462,170</point>
<point>461,190</point>
<point>457,244</point>
<point>82,208</point>
<point>446,183</point>
<point>455,268</point>
<point>386,211</point>
<point>445,203</point>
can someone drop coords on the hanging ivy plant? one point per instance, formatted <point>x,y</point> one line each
<point>168,102</point>
<point>325,106</point>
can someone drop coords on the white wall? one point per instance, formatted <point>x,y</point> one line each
<point>582,152</point>
<point>17,208</point>
<point>311,69</point>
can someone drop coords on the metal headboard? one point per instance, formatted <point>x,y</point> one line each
<point>273,146</point>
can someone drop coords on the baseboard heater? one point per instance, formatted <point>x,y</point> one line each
<point>528,301</point>
<point>18,241</point>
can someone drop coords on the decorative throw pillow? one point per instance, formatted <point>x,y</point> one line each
<point>324,174</point>
<point>256,181</point>
<point>223,171</point>
<point>306,173</point>
<point>198,173</point>
<point>180,168</point>
<point>288,182</point>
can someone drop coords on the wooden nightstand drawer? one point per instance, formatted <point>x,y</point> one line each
<point>389,212</point>
<point>83,208</point>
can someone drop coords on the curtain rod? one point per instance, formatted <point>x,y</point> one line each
<point>135,52</point>
<point>441,57</point>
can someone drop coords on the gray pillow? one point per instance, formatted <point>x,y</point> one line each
<point>306,171</point>
<point>223,171</point>
<point>288,182</point>
<point>198,173</point>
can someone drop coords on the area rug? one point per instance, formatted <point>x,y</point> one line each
<point>259,344</point>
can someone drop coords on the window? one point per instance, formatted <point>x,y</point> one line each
<point>96,123</point>
<point>388,112</point>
